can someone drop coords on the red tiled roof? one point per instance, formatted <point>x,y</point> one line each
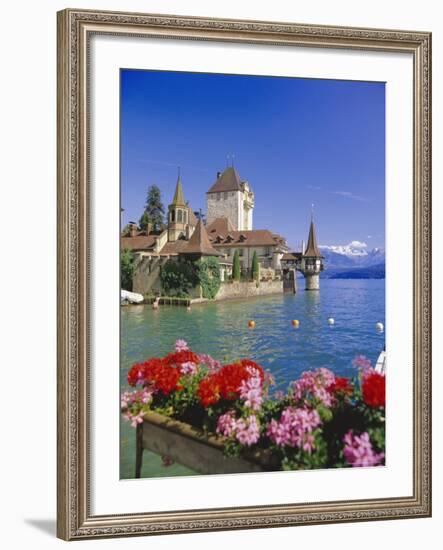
<point>220,226</point>
<point>140,242</point>
<point>229,180</point>
<point>192,218</point>
<point>199,243</point>
<point>222,233</point>
<point>254,237</point>
<point>174,247</point>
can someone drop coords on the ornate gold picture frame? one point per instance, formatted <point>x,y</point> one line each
<point>75,30</point>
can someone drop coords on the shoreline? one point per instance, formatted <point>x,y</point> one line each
<point>188,302</point>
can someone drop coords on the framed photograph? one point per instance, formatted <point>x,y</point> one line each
<point>244,263</point>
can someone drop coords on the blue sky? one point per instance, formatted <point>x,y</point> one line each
<point>297,141</point>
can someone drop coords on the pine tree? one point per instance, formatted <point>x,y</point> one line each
<point>236,266</point>
<point>255,267</point>
<point>154,208</point>
<point>144,220</point>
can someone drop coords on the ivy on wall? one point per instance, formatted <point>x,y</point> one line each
<point>208,275</point>
<point>178,278</point>
<point>126,269</point>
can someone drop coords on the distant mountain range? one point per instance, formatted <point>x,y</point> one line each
<point>353,261</point>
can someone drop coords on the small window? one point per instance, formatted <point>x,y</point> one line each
<point>179,216</point>
<point>185,217</point>
<point>225,195</point>
<point>172,215</point>
<point>218,196</point>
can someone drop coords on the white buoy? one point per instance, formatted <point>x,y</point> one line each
<point>379,327</point>
<point>331,321</point>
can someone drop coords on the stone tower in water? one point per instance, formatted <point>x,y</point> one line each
<point>311,262</point>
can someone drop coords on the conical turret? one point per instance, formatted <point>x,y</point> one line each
<point>181,220</point>
<point>179,198</point>
<point>311,263</point>
<point>312,250</point>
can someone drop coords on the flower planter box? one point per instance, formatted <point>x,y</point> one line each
<point>193,448</point>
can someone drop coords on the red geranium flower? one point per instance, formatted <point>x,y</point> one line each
<point>341,385</point>
<point>208,391</point>
<point>374,390</point>
<point>225,383</point>
<point>135,374</point>
<point>253,365</point>
<point>155,372</point>
<point>180,357</point>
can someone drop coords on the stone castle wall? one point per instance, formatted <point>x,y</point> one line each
<point>228,205</point>
<point>247,290</point>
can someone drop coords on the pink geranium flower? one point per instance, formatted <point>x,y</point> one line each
<point>210,362</point>
<point>251,391</point>
<point>314,385</point>
<point>358,450</point>
<point>188,368</point>
<point>362,363</point>
<point>226,424</point>
<point>181,345</point>
<point>294,428</point>
<point>247,430</point>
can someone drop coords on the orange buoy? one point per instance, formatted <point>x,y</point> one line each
<point>295,323</point>
<point>251,324</point>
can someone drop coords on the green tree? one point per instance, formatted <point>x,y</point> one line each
<point>154,208</point>
<point>236,266</point>
<point>126,269</point>
<point>255,267</point>
<point>144,220</point>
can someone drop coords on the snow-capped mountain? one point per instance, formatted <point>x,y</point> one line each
<point>352,255</point>
<point>354,248</point>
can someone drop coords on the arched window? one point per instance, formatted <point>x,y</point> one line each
<point>179,216</point>
<point>185,216</point>
<point>172,215</point>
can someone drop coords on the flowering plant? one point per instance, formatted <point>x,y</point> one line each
<point>321,421</point>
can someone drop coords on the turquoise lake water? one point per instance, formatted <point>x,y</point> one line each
<point>221,329</point>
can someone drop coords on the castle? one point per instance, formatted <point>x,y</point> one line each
<point>228,228</point>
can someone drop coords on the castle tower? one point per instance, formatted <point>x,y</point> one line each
<point>230,197</point>
<point>311,263</point>
<point>181,220</point>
